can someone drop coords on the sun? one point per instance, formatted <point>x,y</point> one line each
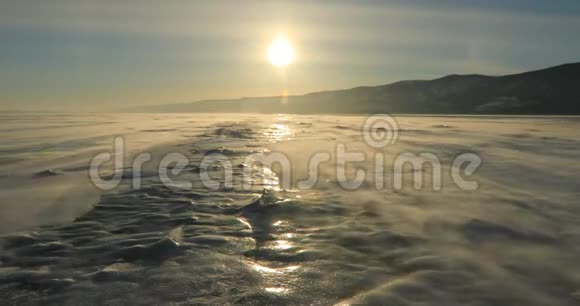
<point>280,52</point>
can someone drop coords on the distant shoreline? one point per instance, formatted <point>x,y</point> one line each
<point>528,116</point>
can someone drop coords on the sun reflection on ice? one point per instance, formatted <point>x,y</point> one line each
<point>277,289</point>
<point>279,223</point>
<point>278,132</point>
<point>246,223</point>
<point>267,270</point>
<point>263,269</point>
<point>282,245</point>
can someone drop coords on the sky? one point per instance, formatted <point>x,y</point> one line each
<point>86,55</point>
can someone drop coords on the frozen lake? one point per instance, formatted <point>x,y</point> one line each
<point>506,233</point>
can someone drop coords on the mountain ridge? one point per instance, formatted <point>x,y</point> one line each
<point>550,91</point>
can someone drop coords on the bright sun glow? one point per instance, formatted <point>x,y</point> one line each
<point>280,52</point>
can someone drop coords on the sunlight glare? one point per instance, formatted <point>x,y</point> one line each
<point>280,52</point>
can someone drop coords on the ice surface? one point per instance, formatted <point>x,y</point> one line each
<point>514,241</point>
